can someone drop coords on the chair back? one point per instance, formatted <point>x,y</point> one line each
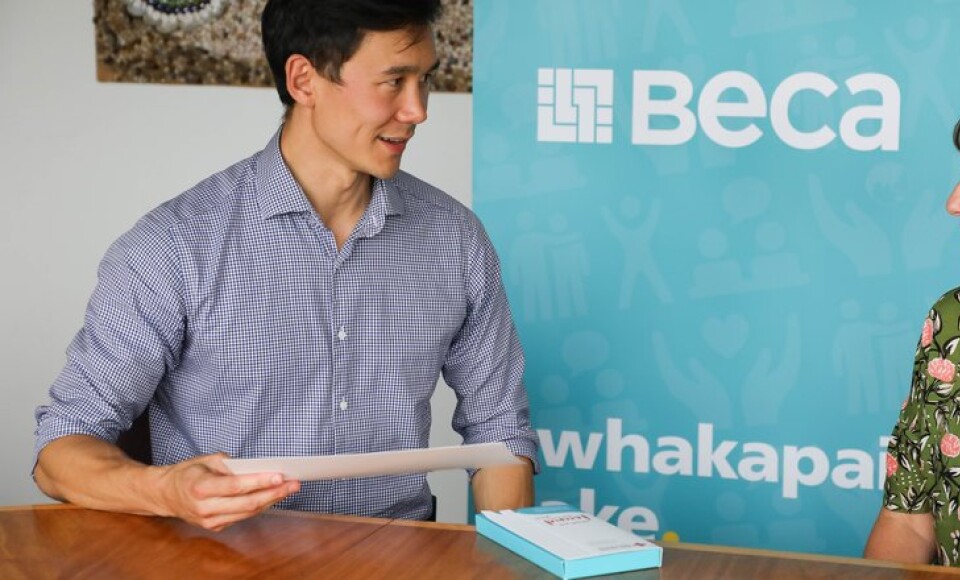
<point>135,442</point>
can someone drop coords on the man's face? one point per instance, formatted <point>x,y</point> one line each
<point>364,123</point>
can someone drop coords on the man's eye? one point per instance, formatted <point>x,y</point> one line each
<point>394,82</point>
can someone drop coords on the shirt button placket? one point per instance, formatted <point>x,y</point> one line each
<point>342,338</point>
<point>338,338</point>
<point>339,343</point>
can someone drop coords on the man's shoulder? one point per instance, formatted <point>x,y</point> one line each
<point>208,201</point>
<point>213,195</point>
<point>415,190</point>
<point>195,218</point>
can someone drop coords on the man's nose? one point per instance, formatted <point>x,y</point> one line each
<point>414,106</point>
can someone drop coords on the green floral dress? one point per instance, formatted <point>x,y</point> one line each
<point>923,460</point>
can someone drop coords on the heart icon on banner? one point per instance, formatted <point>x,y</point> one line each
<point>726,335</point>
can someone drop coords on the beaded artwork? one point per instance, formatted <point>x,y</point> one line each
<point>167,16</point>
<point>218,42</point>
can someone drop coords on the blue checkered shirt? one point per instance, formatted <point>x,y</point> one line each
<point>230,315</point>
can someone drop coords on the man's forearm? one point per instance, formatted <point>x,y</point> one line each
<point>93,473</point>
<point>503,487</point>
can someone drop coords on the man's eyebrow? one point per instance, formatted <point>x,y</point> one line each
<point>409,69</point>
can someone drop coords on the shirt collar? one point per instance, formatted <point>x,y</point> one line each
<point>279,193</point>
<point>384,201</point>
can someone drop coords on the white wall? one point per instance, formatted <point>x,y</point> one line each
<point>80,161</point>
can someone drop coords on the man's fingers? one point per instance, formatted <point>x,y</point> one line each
<point>205,493</point>
<point>237,485</point>
<point>219,512</point>
<point>230,484</point>
<point>252,500</point>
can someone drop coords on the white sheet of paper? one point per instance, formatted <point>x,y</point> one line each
<point>381,463</point>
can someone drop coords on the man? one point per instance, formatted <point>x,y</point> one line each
<point>303,301</point>
<point>919,521</point>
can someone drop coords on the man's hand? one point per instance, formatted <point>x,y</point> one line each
<point>504,487</point>
<point>95,474</point>
<point>202,491</point>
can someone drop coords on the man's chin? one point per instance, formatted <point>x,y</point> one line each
<point>385,172</point>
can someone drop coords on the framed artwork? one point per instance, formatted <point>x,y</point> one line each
<point>217,42</point>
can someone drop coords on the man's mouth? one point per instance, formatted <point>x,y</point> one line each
<point>395,145</point>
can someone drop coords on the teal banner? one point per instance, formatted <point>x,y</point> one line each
<point>721,226</point>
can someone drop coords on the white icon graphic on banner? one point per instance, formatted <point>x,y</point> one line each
<point>575,105</point>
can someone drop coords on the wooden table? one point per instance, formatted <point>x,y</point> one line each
<point>56,541</point>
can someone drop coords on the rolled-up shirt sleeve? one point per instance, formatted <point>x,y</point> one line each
<point>485,363</point>
<point>131,336</point>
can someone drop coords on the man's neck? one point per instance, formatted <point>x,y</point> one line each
<point>338,194</point>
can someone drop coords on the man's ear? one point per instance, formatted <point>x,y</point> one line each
<point>300,74</point>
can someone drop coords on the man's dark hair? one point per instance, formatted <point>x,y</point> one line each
<point>328,32</point>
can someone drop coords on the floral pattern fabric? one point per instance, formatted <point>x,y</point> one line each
<point>923,459</point>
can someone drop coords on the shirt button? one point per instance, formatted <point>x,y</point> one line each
<point>343,405</point>
<point>342,335</point>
